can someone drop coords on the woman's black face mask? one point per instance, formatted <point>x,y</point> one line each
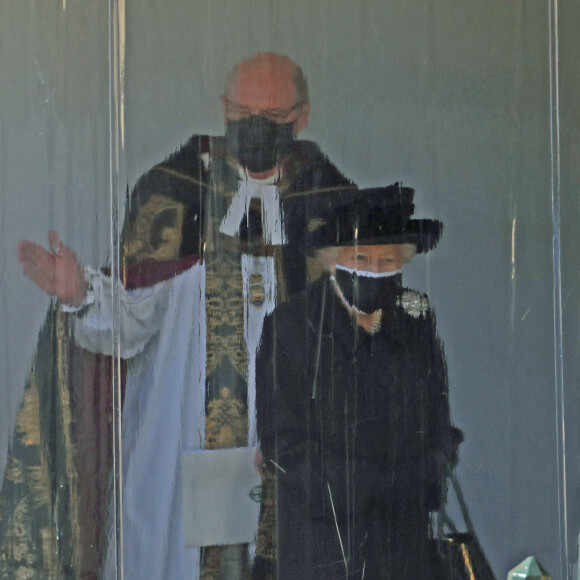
<point>257,142</point>
<point>367,291</point>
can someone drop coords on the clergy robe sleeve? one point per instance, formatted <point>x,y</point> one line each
<point>140,316</point>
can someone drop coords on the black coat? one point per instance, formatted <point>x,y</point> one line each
<point>358,429</point>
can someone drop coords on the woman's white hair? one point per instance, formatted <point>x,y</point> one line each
<point>331,254</point>
<point>409,251</point>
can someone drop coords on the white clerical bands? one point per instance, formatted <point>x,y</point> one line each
<point>272,226</point>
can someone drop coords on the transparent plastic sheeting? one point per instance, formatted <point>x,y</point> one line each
<point>127,129</point>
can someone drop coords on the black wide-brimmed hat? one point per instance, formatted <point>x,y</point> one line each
<point>380,215</point>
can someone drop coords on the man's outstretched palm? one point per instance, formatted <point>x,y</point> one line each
<point>56,271</point>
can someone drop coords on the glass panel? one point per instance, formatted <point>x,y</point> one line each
<point>567,183</point>
<point>55,166</point>
<point>473,105</point>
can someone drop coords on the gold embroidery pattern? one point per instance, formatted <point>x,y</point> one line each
<point>227,415</point>
<point>156,233</point>
<point>30,547</point>
<point>257,290</point>
<point>225,314</point>
<point>20,557</point>
<point>231,562</point>
<point>226,423</point>
<point>266,542</point>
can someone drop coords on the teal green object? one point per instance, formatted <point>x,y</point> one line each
<point>529,569</point>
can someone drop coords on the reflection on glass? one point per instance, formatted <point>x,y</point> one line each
<point>461,102</point>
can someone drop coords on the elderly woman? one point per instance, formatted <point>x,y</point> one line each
<point>353,410</point>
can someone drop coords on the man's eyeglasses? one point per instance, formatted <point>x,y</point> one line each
<point>235,111</point>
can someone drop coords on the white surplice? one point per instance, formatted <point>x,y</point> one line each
<point>163,334</point>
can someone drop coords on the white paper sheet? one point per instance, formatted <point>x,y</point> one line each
<point>220,496</point>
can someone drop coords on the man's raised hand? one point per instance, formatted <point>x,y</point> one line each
<point>56,271</point>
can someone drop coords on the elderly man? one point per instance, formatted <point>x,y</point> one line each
<point>353,406</point>
<point>207,253</point>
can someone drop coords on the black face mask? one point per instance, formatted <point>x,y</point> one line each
<point>368,293</point>
<point>257,142</point>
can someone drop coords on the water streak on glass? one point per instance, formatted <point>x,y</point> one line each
<point>565,565</point>
<point>117,192</point>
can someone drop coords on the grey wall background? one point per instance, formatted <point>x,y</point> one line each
<point>54,141</point>
<point>451,97</point>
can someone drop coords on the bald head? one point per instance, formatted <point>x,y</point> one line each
<point>267,79</point>
<point>267,83</point>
